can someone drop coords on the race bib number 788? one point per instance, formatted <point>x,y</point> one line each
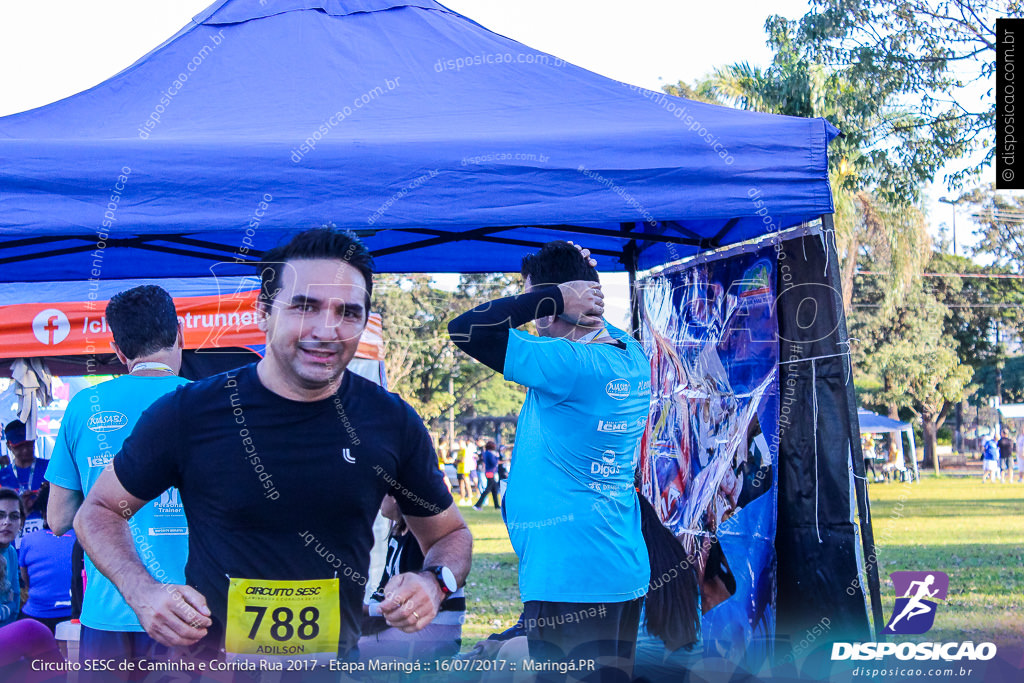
<point>286,619</point>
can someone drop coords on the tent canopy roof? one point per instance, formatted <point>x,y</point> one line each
<point>449,147</point>
<point>873,423</point>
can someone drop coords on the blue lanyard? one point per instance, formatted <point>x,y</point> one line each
<point>23,486</point>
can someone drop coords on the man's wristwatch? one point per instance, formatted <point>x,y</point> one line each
<point>445,579</point>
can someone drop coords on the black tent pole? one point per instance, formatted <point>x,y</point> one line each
<point>860,482</point>
<point>630,256</point>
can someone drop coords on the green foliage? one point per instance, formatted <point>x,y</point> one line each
<point>977,306</point>
<point>932,58</point>
<point>422,364</point>
<point>867,216</point>
<point>999,221</point>
<point>1013,379</point>
<point>907,348</point>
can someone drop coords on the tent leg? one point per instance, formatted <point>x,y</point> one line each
<point>860,480</point>
<point>913,454</point>
<point>630,256</point>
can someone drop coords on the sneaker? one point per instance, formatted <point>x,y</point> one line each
<point>478,508</point>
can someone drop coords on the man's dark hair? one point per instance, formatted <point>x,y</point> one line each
<point>555,263</point>
<point>318,243</point>
<point>143,320</point>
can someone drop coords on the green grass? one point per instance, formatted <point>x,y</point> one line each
<point>492,590</point>
<point>972,531</point>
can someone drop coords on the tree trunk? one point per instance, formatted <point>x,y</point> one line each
<point>930,430</point>
<point>849,271</point>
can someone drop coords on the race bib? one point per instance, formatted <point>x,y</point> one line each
<point>282,619</point>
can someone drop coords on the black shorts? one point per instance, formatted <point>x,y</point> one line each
<point>1004,463</point>
<point>599,639</point>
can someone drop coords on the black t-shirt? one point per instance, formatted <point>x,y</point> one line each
<point>1005,446</point>
<point>281,489</point>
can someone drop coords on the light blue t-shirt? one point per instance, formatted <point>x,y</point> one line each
<point>95,424</point>
<point>570,506</point>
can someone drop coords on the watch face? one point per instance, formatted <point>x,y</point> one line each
<point>448,578</point>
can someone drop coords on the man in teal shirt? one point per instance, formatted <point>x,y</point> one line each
<point>148,340</point>
<point>570,507</point>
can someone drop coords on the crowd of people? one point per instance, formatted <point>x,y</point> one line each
<point>179,567</point>
<point>480,466</point>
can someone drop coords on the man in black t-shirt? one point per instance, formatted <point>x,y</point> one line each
<point>1005,446</point>
<point>281,467</point>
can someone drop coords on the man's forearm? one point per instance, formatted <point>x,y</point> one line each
<point>62,507</point>
<point>482,332</point>
<point>453,550</point>
<point>107,538</point>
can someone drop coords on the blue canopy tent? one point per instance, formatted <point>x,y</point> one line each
<point>362,113</point>
<point>447,147</point>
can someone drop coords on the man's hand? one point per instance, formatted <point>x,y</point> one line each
<point>411,601</point>
<point>585,253</point>
<point>173,615</point>
<point>584,302</point>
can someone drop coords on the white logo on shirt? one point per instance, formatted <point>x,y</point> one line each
<point>609,427</point>
<point>617,389</point>
<point>347,455</point>
<point>107,421</point>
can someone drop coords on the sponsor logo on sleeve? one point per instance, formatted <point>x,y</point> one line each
<point>617,389</point>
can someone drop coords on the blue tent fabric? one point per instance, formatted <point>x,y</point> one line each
<point>447,146</point>
<point>872,423</point>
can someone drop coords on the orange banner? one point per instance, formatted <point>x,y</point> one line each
<point>72,328</point>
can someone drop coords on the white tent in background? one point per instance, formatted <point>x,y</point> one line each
<point>873,423</point>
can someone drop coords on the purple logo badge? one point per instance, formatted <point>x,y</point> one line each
<point>916,592</point>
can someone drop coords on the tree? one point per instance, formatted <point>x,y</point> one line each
<point>999,218</point>
<point>918,365</point>
<point>422,364</point>
<point>863,219</point>
<point>933,56</point>
<point>984,305</point>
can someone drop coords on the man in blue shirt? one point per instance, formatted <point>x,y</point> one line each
<point>489,458</point>
<point>570,507</point>
<point>148,340</point>
<point>25,474</point>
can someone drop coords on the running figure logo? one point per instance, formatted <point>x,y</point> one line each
<point>914,612</point>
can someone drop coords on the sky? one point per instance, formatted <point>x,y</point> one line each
<point>50,50</point>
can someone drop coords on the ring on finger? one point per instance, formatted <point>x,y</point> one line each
<point>417,616</point>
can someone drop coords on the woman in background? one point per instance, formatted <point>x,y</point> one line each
<point>12,516</point>
<point>45,562</point>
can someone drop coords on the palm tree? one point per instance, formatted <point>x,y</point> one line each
<point>893,232</point>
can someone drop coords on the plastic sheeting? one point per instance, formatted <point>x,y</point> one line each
<point>709,456</point>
